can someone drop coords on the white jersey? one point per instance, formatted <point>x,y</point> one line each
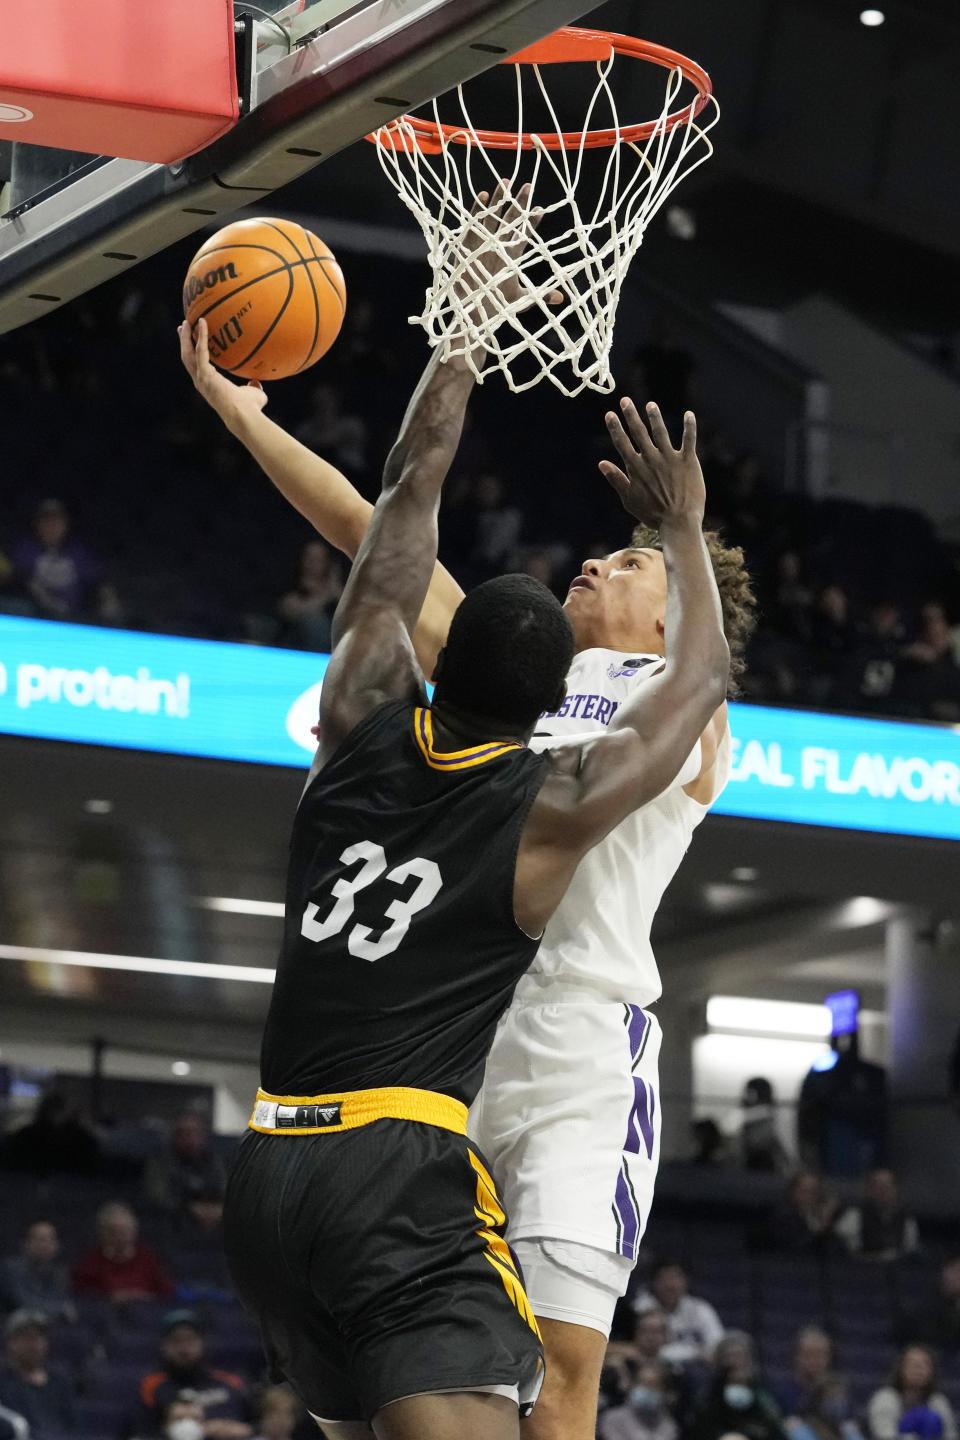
<point>599,936</point>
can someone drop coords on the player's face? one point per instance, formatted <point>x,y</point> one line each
<point>618,602</point>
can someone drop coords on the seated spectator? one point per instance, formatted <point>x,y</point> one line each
<point>735,1401</point>
<point>833,639</point>
<point>879,1228</point>
<point>180,1420</point>
<point>35,1279</point>
<point>792,598</point>
<point>187,1375</point>
<point>827,1413</point>
<point>912,1391</point>
<point>870,680</point>
<point>335,435</point>
<point>645,1415</point>
<point>307,610</point>
<point>803,1221</point>
<point>931,676</point>
<point>760,1145</point>
<point>56,1141</point>
<point>693,1326</point>
<point>188,1179</point>
<point>59,574</point>
<point>938,1323</point>
<point>279,1410</point>
<point>119,1266</point>
<point>29,1387</point>
<point>650,1341</point>
<point>812,1363</point>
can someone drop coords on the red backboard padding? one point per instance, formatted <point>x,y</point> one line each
<point>145,79</point>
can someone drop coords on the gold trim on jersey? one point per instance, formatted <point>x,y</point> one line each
<point>490,1212</point>
<point>454,759</point>
<point>327,1114</point>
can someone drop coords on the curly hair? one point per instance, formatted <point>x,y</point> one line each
<point>737,600</point>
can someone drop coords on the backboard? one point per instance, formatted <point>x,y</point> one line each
<point>315,76</point>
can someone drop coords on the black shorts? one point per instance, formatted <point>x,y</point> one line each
<point>375,1262</point>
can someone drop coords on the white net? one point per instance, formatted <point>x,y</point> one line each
<point>582,248</point>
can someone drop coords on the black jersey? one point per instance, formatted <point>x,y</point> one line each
<point>400,948</point>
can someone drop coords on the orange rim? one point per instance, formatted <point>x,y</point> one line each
<point>565,46</point>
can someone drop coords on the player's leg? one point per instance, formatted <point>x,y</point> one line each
<point>567,1408</point>
<point>448,1417</point>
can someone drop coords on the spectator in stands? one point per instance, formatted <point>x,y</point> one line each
<point>495,529</point>
<point>693,1326</point>
<point>187,1374</point>
<point>826,1414</point>
<point>338,436</point>
<point>804,1219</point>
<point>188,1179</point>
<point>939,1322</point>
<point>879,1228</point>
<point>735,1401</point>
<point>812,1363</point>
<point>645,1414</point>
<point>180,1420</point>
<point>931,676</point>
<point>307,610</point>
<point>57,1140</point>
<point>35,1279</point>
<point>908,1400</point>
<point>59,574</point>
<point>29,1387</point>
<point>279,1410</point>
<point>119,1266</point>
<point>791,605</point>
<point>871,680</point>
<point>650,1342</point>
<point>760,1145</point>
<point>833,641</point>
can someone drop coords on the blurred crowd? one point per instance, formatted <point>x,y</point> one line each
<point>133,507</point>
<point>825,1318</point>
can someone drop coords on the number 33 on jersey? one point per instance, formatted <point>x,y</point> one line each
<point>361,940</point>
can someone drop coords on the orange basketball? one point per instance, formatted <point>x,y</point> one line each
<point>272,295</point>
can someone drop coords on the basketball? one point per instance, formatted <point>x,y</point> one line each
<point>272,294</point>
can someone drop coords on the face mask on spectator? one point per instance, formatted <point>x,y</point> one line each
<point>185,1429</point>
<point>738,1397</point>
<point>642,1398</point>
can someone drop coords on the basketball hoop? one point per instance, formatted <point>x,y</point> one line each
<point>581,250</point>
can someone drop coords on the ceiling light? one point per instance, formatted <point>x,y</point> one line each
<point>872,17</point>
<point>230,906</point>
<point>862,910</point>
<point>745,1015</point>
<point>98,807</point>
<point>139,964</point>
<point>746,873</point>
<point>181,1067</point>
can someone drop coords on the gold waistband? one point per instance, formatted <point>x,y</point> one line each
<point>323,1114</point>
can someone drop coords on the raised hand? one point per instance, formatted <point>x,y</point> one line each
<point>657,482</point>
<point>230,400</point>
<point>513,225</point>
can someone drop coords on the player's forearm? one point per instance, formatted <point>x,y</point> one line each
<point>334,508</point>
<point>696,649</point>
<point>430,433</point>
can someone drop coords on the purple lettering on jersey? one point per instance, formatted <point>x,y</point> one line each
<point>564,707</point>
<point>590,707</point>
<point>614,707</point>
<point>640,1126</point>
<point>603,710</point>
<point>575,702</point>
<point>626,1215</point>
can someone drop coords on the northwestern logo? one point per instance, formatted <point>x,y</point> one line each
<point>302,716</point>
<point>198,283</point>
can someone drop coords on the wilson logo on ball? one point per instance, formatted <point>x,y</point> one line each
<point>198,283</point>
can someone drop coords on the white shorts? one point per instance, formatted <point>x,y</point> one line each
<point>571,1282</point>
<point>569,1119</point>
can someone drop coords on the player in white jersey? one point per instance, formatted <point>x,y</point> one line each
<point>569,1112</point>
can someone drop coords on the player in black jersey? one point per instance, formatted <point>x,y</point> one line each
<point>429,850</point>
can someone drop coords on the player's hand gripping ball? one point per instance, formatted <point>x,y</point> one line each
<point>272,294</point>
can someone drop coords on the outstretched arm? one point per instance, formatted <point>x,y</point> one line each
<point>595,786</point>
<point>321,494</point>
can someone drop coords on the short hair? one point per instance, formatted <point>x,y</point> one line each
<point>737,600</point>
<point>508,651</point>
